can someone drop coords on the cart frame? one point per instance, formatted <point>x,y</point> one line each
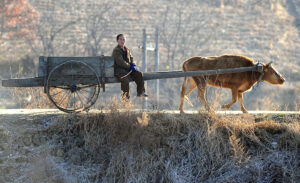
<point>77,80</point>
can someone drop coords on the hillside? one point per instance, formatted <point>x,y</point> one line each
<point>263,30</point>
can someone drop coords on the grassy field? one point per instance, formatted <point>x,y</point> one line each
<point>128,146</point>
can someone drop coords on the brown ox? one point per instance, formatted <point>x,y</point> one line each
<point>237,82</point>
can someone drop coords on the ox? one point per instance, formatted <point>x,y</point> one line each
<point>237,82</point>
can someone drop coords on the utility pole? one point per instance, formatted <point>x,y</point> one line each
<point>144,65</point>
<point>156,66</point>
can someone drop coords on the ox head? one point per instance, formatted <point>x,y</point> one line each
<point>271,75</point>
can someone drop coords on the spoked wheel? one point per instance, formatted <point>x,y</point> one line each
<point>73,86</point>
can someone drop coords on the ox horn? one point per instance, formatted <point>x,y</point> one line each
<point>268,64</point>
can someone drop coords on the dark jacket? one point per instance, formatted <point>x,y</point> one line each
<point>122,60</point>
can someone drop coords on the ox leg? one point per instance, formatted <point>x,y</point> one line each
<point>201,84</point>
<point>187,84</point>
<point>182,94</point>
<point>240,98</point>
<point>233,100</point>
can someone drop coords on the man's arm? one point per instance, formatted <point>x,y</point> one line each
<point>118,58</point>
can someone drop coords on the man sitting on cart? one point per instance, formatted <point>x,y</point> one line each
<point>126,69</point>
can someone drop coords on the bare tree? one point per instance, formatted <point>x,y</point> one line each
<point>180,32</point>
<point>96,23</point>
<point>49,29</point>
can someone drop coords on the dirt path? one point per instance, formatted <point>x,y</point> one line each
<point>23,147</point>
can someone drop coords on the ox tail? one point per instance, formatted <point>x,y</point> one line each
<point>183,67</point>
<point>188,101</point>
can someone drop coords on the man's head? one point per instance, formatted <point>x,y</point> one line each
<point>121,39</point>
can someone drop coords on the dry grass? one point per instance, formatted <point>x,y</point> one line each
<point>30,98</point>
<point>156,147</point>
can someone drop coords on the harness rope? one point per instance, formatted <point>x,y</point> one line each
<point>126,74</point>
<point>262,73</point>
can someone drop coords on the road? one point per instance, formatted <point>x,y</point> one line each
<point>56,111</point>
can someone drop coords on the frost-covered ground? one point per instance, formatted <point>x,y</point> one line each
<point>51,146</point>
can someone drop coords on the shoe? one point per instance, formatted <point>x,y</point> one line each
<point>142,95</point>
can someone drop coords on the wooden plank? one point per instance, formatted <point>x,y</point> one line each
<point>177,74</point>
<point>93,62</point>
<point>25,82</point>
<point>31,82</point>
<point>113,80</point>
<point>42,66</point>
<point>71,80</point>
<point>39,81</point>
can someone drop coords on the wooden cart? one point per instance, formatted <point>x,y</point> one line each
<point>73,83</point>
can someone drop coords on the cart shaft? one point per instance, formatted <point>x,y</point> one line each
<point>24,82</point>
<point>177,74</point>
<point>39,81</point>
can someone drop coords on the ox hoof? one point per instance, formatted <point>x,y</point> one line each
<point>211,111</point>
<point>225,107</point>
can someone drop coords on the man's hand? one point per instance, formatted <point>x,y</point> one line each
<point>133,68</point>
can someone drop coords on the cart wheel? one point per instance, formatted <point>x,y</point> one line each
<point>71,92</point>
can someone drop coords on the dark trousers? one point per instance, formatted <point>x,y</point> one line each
<point>138,78</point>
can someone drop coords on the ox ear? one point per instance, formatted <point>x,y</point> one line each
<point>269,64</point>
